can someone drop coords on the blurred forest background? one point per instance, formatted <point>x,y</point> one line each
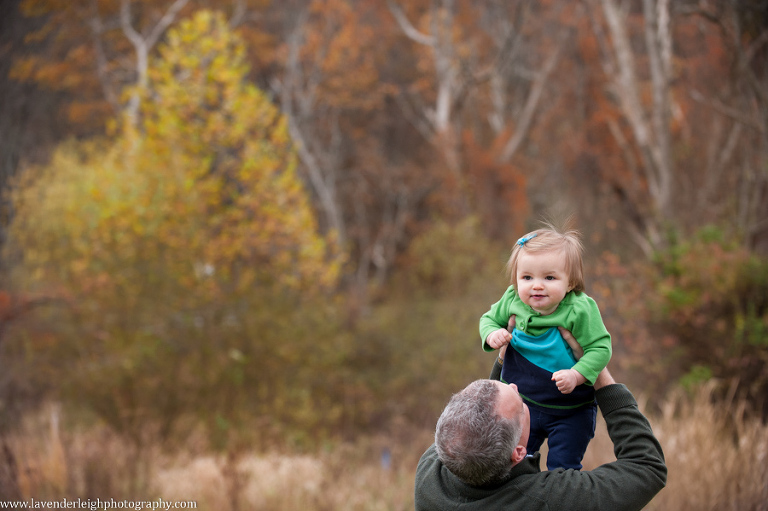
<point>257,236</point>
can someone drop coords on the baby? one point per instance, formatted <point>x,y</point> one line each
<point>547,292</point>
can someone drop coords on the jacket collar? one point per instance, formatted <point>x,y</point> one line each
<point>528,465</point>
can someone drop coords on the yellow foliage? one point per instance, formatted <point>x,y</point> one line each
<point>208,178</point>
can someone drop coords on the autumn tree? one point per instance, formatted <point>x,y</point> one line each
<point>672,127</point>
<point>183,251</point>
<point>90,50</point>
<point>737,139</point>
<point>677,116</point>
<point>474,56</point>
<point>334,84</point>
<point>67,63</point>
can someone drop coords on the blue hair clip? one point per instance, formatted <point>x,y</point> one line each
<point>522,241</point>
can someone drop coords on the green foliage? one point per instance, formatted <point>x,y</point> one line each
<point>423,343</point>
<point>188,259</point>
<point>421,350</point>
<point>454,258</point>
<point>695,377</point>
<point>713,297</point>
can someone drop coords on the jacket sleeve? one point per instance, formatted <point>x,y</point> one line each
<point>589,330</point>
<point>630,482</point>
<point>496,318</point>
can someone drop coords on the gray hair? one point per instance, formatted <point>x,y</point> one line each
<point>472,440</point>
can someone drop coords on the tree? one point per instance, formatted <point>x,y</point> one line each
<point>676,84</point>
<point>120,38</point>
<point>334,85</point>
<point>182,250</point>
<point>737,155</point>
<point>455,38</point>
<point>649,153</point>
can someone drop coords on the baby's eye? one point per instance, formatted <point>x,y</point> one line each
<point>550,277</point>
<point>526,277</point>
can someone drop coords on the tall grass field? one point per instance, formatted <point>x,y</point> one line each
<point>717,454</point>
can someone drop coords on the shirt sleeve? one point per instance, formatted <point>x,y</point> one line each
<point>497,317</point>
<point>589,330</point>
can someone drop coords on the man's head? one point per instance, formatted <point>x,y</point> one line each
<point>482,432</point>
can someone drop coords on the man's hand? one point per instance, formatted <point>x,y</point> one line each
<point>510,329</point>
<point>576,348</point>
<point>567,380</point>
<point>511,323</point>
<point>498,338</point>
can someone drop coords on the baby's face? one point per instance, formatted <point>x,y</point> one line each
<point>541,280</point>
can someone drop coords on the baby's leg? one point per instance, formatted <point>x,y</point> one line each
<point>569,437</point>
<point>538,432</point>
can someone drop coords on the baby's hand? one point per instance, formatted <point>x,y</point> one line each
<point>567,380</point>
<point>498,338</point>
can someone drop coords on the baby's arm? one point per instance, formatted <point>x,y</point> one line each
<point>492,332</point>
<point>593,350</point>
<point>498,338</point>
<point>569,379</point>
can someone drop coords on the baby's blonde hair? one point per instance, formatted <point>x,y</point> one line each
<point>547,239</point>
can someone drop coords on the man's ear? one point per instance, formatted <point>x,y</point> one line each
<point>518,454</point>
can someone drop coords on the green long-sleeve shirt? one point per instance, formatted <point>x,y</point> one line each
<point>577,313</point>
<point>626,484</point>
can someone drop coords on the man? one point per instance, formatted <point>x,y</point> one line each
<point>479,461</point>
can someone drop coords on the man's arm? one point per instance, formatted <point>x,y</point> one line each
<point>639,472</point>
<point>638,453</point>
<point>499,361</point>
<point>630,482</point>
<point>603,379</point>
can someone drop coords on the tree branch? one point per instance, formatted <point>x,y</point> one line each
<point>730,112</point>
<point>165,22</point>
<point>97,28</point>
<point>532,101</point>
<point>408,27</point>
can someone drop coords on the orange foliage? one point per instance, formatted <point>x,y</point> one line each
<point>62,55</point>
<point>497,190</point>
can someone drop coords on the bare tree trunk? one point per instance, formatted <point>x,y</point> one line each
<point>143,45</point>
<point>650,129</point>
<point>659,46</point>
<point>438,121</point>
<point>524,122</point>
<point>298,94</point>
<point>9,473</point>
<point>737,156</point>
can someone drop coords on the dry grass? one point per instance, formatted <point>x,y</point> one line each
<point>717,458</point>
<point>717,455</point>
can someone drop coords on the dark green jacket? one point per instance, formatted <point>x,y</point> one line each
<point>628,483</point>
